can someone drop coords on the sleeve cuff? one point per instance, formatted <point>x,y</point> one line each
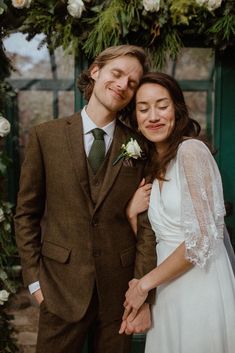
<point>33,287</point>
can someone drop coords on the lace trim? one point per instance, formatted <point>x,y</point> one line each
<point>202,209</point>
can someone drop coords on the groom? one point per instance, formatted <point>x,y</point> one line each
<point>79,263</point>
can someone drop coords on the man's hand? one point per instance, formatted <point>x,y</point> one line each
<point>38,296</point>
<point>141,323</point>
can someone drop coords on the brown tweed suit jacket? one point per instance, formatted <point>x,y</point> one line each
<point>81,243</point>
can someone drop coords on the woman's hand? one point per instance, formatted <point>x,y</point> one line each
<point>140,200</point>
<point>135,297</point>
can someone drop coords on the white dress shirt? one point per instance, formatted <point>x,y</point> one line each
<point>88,139</point>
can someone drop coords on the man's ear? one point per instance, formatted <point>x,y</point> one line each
<point>94,72</point>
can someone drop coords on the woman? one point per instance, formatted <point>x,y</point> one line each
<point>195,303</point>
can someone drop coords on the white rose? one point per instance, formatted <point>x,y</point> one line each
<point>151,5</point>
<point>213,4</point>
<point>1,215</point>
<point>20,4</point>
<point>3,296</point>
<point>133,149</point>
<point>75,8</point>
<point>5,127</point>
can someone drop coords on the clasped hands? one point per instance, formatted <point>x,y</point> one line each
<point>136,317</point>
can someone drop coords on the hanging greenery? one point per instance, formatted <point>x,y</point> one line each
<point>7,248</point>
<point>89,26</point>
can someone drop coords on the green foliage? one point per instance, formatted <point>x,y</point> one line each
<point>168,45</point>
<point>106,27</point>
<point>223,30</point>
<point>110,22</point>
<point>7,343</point>
<point>7,243</point>
<point>183,11</point>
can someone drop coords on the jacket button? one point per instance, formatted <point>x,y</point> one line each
<point>96,253</point>
<point>94,223</point>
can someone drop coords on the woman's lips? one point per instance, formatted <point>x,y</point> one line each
<point>155,126</point>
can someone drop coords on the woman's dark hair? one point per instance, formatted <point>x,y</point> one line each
<point>184,125</point>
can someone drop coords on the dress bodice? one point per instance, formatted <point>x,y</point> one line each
<point>164,208</point>
<point>190,206</point>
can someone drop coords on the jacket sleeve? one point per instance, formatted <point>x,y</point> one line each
<point>30,210</point>
<point>146,258</point>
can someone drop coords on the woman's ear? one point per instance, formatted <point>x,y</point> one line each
<point>94,72</point>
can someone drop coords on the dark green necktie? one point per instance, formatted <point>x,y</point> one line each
<point>97,152</point>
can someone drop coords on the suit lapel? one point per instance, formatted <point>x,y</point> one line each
<point>74,133</point>
<point>112,170</point>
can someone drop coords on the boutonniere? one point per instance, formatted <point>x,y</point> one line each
<point>129,150</point>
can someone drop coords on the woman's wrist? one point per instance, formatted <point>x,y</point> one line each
<point>130,214</point>
<point>143,286</point>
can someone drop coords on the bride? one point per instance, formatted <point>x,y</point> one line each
<point>195,302</point>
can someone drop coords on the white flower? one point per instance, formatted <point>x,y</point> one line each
<point>75,8</point>
<point>20,4</point>
<point>3,296</point>
<point>210,4</point>
<point>133,149</point>
<point>151,5</point>
<point>213,4</point>
<point>1,215</point>
<point>130,150</point>
<point>5,127</point>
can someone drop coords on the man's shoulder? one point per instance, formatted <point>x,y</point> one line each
<point>57,123</point>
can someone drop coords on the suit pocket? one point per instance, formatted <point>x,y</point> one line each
<point>55,252</point>
<point>128,257</point>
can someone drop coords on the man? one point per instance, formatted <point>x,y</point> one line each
<point>79,268</point>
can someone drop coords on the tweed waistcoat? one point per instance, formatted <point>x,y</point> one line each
<point>96,180</point>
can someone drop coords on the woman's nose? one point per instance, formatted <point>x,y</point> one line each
<point>153,116</point>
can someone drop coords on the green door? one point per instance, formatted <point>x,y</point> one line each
<point>224,130</point>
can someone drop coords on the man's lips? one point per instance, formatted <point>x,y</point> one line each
<point>116,93</point>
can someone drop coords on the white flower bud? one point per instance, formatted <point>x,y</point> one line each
<point>210,4</point>
<point>1,215</point>
<point>20,4</point>
<point>151,5</point>
<point>213,4</point>
<point>3,296</point>
<point>5,127</point>
<point>75,8</point>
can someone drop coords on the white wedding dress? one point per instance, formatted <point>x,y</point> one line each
<point>194,313</point>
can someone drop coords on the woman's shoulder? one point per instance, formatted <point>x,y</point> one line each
<point>193,147</point>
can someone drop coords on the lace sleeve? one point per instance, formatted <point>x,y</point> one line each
<point>202,205</point>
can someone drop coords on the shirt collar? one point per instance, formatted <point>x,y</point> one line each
<point>89,125</point>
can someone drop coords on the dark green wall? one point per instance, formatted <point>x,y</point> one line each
<point>224,129</point>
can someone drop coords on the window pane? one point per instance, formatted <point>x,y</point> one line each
<point>197,105</point>
<point>66,103</point>
<point>27,59</point>
<point>194,64</point>
<point>34,107</point>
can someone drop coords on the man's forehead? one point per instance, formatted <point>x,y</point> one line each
<point>127,64</point>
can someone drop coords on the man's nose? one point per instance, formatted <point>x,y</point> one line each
<point>122,83</point>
